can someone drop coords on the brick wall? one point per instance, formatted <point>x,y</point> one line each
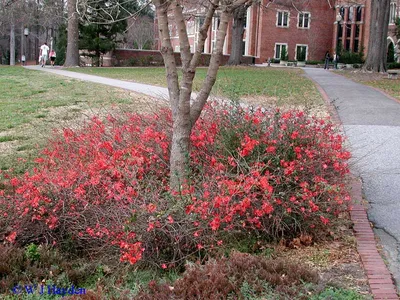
<point>318,37</point>
<point>124,57</point>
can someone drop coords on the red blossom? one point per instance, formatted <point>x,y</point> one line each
<point>108,182</point>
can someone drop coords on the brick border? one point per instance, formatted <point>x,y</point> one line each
<point>379,278</point>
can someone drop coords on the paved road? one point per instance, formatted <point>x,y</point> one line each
<point>146,89</point>
<point>372,124</point>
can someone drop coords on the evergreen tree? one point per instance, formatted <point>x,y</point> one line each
<point>61,45</point>
<point>98,34</point>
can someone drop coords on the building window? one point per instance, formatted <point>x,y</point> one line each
<point>392,16</point>
<point>301,52</point>
<point>215,23</point>
<point>190,27</point>
<point>348,32</point>
<point>341,11</point>
<point>201,21</point>
<point>356,46</point>
<point>304,20</point>
<point>357,34</point>
<point>358,15</point>
<point>347,45</point>
<point>282,19</point>
<point>281,51</point>
<point>351,13</point>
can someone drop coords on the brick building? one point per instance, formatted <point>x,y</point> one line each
<point>312,26</point>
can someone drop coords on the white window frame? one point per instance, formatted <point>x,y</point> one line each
<point>191,27</point>
<point>214,31</point>
<point>393,13</point>
<point>247,32</point>
<point>280,44</point>
<point>298,19</point>
<point>301,45</point>
<point>352,16</point>
<point>283,18</point>
<point>197,32</point>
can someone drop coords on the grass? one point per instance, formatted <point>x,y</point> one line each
<point>286,86</point>
<point>33,103</point>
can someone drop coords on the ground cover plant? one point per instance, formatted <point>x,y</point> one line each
<point>278,174</point>
<point>95,210</point>
<point>285,86</point>
<point>103,189</point>
<point>32,103</point>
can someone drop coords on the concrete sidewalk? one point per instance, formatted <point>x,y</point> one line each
<point>371,122</point>
<point>150,90</point>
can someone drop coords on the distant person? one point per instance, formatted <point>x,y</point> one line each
<point>44,54</point>
<point>52,57</point>
<point>335,60</point>
<point>327,59</point>
<point>23,59</point>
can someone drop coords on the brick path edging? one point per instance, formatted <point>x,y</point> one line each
<point>379,278</point>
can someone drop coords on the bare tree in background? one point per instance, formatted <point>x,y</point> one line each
<point>141,32</point>
<point>12,15</point>
<point>42,17</point>
<point>239,23</point>
<point>96,12</point>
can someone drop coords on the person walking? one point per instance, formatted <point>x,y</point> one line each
<point>44,53</point>
<point>23,58</point>
<point>52,57</point>
<point>327,59</point>
<point>335,60</point>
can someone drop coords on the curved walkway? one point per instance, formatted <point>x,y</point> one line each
<point>150,90</point>
<point>371,122</point>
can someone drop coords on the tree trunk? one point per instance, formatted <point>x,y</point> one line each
<point>180,149</point>
<point>12,45</point>
<point>213,68</point>
<point>239,17</point>
<point>185,114</point>
<point>72,57</point>
<point>376,57</point>
<point>22,43</point>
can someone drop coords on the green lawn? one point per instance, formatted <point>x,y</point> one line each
<point>34,102</point>
<point>284,86</point>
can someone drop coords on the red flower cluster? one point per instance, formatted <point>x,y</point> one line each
<point>274,172</point>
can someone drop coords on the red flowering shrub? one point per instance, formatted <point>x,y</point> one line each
<point>281,173</point>
<point>106,186</point>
